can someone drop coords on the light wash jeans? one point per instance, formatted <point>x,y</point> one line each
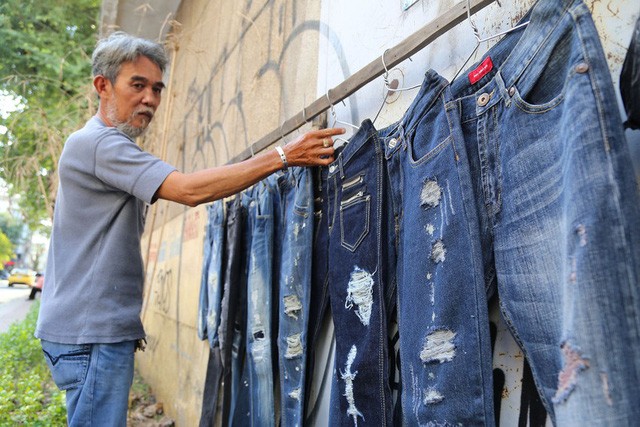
<point>97,379</point>
<point>259,283</point>
<point>294,282</point>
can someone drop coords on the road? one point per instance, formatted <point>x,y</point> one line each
<point>13,304</point>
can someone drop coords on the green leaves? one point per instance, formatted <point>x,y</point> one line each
<point>28,395</point>
<point>45,63</point>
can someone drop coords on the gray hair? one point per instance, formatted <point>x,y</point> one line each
<point>120,47</point>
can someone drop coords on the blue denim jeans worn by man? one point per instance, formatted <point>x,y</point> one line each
<point>96,378</point>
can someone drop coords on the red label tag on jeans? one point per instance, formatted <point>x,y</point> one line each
<point>481,70</point>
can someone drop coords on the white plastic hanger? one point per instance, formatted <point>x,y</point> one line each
<point>337,121</point>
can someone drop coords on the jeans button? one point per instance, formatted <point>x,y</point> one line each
<point>393,142</point>
<point>582,68</point>
<point>332,168</point>
<point>512,90</point>
<point>483,99</point>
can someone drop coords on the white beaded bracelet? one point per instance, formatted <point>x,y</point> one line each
<point>285,164</point>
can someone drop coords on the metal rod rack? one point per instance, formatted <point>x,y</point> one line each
<point>392,57</point>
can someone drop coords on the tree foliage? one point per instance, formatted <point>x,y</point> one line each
<point>6,249</point>
<point>45,66</point>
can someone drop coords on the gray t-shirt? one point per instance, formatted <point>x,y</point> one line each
<point>94,274</point>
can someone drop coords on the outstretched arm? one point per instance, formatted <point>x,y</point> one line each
<point>314,148</point>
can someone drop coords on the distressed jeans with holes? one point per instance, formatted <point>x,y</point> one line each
<point>260,226</point>
<point>360,245</point>
<point>443,321</point>
<point>294,281</point>
<point>559,212</point>
<point>209,318</point>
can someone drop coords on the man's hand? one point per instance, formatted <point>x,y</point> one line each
<point>314,148</point>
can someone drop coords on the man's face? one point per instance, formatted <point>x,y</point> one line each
<point>132,101</point>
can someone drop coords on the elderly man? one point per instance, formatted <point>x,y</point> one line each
<point>89,322</point>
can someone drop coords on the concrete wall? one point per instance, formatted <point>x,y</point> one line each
<point>239,69</point>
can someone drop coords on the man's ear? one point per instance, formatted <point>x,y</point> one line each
<point>102,84</point>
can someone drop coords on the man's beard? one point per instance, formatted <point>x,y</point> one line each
<point>126,127</point>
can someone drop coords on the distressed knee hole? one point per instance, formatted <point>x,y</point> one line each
<point>360,293</point>
<point>294,346</point>
<point>430,194</point>
<point>439,347</point>
<point>292,306</point>
<point>574,363</point>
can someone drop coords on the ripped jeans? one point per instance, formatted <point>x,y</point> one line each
<point>516,179</point>
<point>359,245</point>
<point>295,199</point>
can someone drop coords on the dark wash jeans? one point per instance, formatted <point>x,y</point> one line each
<point>358,240</point>
<point>520,184</point>
<point>231,303</point>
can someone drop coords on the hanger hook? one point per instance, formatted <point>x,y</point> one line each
<point>331,108</point>
<point>474,28</point>
<point>251,148</point>
<point>385,76</point>
<point>386,70</point>
<point>304,114</point>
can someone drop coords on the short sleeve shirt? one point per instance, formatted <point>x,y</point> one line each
<point>94,273</point>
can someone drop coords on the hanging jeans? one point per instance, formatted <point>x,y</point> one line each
<point>259,283</point>
<point>525,157</point>
<point>296,206</point>
<point>209,318</point>
<point>231,301</point>
<point>442,306</point>
<point>360,244</point>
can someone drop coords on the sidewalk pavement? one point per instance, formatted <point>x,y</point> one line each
<point>14,304</point>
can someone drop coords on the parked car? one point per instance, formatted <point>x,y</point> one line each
<point>21,276</point>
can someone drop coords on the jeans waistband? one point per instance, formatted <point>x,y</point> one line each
<point>365,135</point>
<point>527,49</point>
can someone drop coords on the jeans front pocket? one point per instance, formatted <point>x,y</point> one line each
<point>68,363</point>
<point>354,220</point>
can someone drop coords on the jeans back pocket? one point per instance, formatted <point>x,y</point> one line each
<point>68,363</point>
